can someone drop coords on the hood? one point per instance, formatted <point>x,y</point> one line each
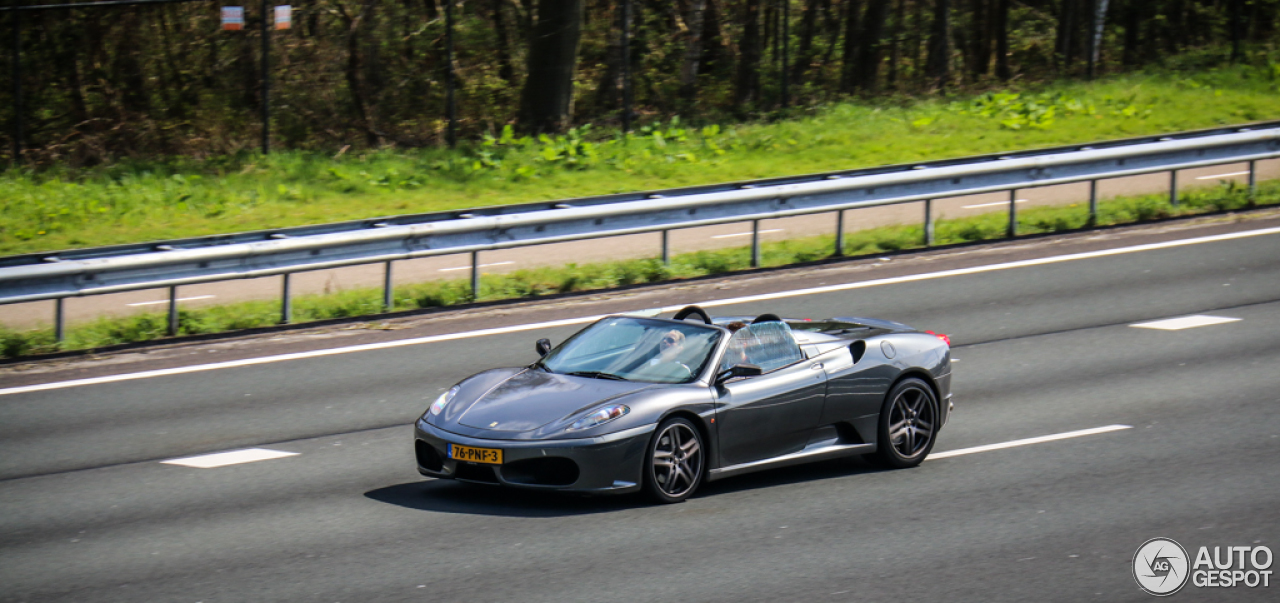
<point>531,399</point>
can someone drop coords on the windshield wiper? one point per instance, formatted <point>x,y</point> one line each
<point>598,375</point>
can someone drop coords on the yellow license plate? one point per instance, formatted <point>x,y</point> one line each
<point>492,456</point>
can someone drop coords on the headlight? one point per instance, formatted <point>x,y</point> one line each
<point>443,400</point>
<point>600,417</point>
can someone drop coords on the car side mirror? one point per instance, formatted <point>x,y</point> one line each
<point>738,370</point>
<point>543,346</point>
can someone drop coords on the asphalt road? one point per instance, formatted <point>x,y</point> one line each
<point>616,248</point>
<point>88,513</point>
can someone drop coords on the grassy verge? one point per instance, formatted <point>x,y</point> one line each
<point>139,201</point>
<point>542,281</point>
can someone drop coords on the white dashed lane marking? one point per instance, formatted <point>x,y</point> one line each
<point>993,204</point>
<point>1038,440</point>
<point>165,301</point>
<point>1184,322</point>
<point>232,457</point>
<point>480,266</point>
<point>744,234</point>
<point>1244,173</point>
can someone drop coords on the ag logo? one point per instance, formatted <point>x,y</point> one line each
<point>1161,566</point>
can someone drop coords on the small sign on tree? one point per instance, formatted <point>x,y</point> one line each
<point>232,18</point>
<point>284,16</point>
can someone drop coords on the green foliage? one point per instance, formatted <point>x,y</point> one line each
<point>140,200</point>
<point>1016,111</point>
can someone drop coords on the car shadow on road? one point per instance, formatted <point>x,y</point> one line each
<point>786,476</point>
<point>448,496</point>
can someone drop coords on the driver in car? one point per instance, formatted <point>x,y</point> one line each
<point>667,359</point>
<point>669,347</point>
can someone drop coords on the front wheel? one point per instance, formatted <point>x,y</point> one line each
<point>674,463</point>
<point>908,425</point>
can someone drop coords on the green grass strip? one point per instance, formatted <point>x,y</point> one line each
<point>141,200</point>
<point>534,282</point>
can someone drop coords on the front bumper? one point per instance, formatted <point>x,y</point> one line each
<point>606,464</point>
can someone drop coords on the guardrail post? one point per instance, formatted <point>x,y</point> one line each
<point>928,222</point>
<point>1173,188</point>
<point>475,276</point>
<point>1253,182</point>
<point>1093,203</point>
<point>173,310</point>
<point>666,248</point>
<point>286,301</point>
<point>755,243</point>
<point>1013,213</point>
<point>59,320</point>
<point>387,294</point>
<point>839,233</point>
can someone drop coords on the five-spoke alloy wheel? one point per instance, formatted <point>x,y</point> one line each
<point>908,422</point>
<point>674,463</point>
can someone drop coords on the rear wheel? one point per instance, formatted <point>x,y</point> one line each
<point>908,423</point>
<point>675,461</point>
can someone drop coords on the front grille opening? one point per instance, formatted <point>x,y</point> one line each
<point>428,458</point>
<point>475,473</point>
<point>550,471</point>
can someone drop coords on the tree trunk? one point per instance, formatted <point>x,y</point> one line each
<point>547,101</point>
<point>506,70</point>
<point>747,83</point>
<point>692,51</point>
<point>713,39</point>
<point>867,75</point>
<point>980,41</point>
<point>1097,24</point>
<point>917,34</point>
<point>849,56</point>
<point>808,29</point>
<point>1066,29</point>
<point>129,71</point>
<point>1001,27</point>
<point>1237,29</point>
<point>355,68</point>
<point>831,26</point>
<point>895,44</point>
<point>1132,32</point>
<point>938,66</point>
<point>609,88</point>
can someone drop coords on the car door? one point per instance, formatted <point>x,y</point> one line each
<point>772,414</point>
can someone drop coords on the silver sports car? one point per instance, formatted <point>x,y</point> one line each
<point>641,403</point>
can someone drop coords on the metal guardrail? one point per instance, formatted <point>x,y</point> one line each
<point>58,276</point>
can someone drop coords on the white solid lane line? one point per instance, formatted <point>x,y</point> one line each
<point>231,457</point>
<point>1184,322</point>
<point>993,204</point>
<point>745,234</point>
<point>481,266</point>
<point>586,319</point>
<point>1039,440</point>
<point>165,301</point>
<point>1244,173</point>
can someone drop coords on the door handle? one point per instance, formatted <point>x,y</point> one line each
<point>816,366</point>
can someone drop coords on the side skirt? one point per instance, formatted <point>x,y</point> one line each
<point>808,455</point>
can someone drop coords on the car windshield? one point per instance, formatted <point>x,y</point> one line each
<point>636,349</point>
